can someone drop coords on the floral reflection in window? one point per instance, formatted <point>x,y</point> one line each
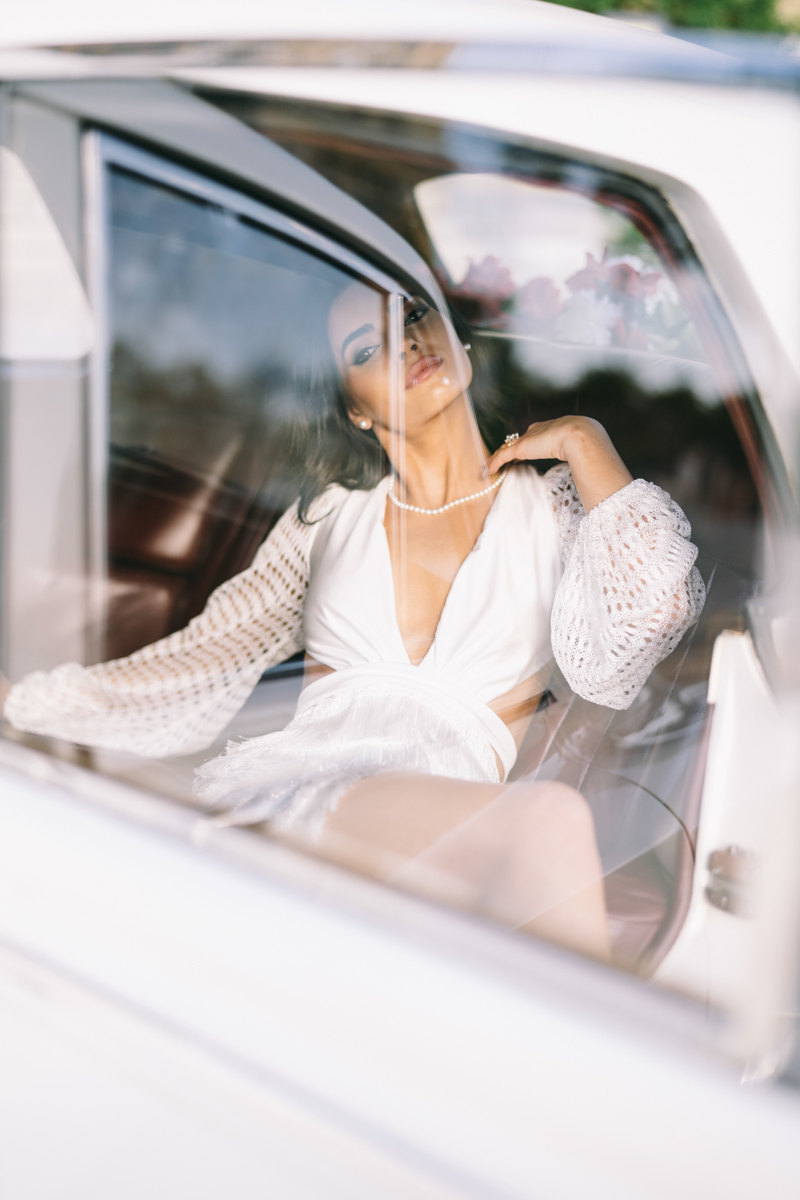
<point>599,282</point>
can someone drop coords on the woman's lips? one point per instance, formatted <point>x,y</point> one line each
<point>422,369</point>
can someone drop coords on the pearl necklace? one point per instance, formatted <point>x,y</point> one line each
<point>434,512</point>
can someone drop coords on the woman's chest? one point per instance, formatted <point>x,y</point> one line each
<point>427,554</point>
<point>472,604</point>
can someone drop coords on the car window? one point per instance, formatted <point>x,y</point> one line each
<point>585,296</point>
<point>227,331</point>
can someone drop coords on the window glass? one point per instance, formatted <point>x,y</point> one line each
<point>423,675</point>
<point>211,340</point>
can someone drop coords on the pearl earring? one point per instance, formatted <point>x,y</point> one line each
<point>467,346</point>
<point>363,424</point>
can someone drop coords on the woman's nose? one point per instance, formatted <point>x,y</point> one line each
<point>412,347</point>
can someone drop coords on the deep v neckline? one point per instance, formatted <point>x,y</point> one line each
<point>471,555</point>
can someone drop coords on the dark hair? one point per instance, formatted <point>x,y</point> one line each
<point>325,446</point>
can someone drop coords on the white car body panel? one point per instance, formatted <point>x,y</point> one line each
<point>46,23</point>
<point>735,957</point>
<point>259,1013</point>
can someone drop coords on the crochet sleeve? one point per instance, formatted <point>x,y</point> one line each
<point>629,591</point>
<point>176,695</point>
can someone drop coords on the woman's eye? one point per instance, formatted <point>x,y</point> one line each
<point>364,355</point>
<point>416,314</point>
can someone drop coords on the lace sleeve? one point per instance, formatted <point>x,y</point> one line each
<point>176,695</point>
<point>629,590</point>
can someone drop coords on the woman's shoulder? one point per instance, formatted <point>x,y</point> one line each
<point>338,512</point>
<point>337,499</point>
<point>294,533</point>
<point>553,488</point>
<point>547,501</point>
<point>326,504</point>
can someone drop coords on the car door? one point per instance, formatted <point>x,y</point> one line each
<point>163,472</point>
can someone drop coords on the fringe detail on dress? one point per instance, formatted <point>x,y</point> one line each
<point>295,778</point>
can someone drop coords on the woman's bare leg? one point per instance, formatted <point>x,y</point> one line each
<point>524,854</point>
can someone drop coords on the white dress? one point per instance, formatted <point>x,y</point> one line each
<point>608,595</point>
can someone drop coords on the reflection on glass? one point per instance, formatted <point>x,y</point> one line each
<point>573,280</point>
<point>451,603</point>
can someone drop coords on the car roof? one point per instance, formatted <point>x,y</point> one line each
<point>45,23</point>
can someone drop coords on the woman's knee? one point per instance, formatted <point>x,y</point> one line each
<point>564,809</point>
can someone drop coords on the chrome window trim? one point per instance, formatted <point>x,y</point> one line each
<point>698,56</point>
<point>96,432</point>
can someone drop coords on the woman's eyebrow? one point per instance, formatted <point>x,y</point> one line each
<point>356,334</point>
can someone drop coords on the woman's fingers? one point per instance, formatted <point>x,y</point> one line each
<point>597,469</point>
<point>505,454</point>
<point>537,442</point>
<point>566,438</point>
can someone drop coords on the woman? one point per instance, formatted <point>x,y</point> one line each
<point>430,584</point>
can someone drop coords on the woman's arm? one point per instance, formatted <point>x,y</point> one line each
<point>176,695</point>
<point>597,469</point>
<point>630,589</point>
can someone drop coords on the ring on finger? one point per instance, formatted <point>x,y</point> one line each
<point>511,439</point>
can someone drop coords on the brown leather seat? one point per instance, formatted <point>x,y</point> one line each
<point>174,534</point>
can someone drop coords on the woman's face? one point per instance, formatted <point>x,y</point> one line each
<point>431,368</point>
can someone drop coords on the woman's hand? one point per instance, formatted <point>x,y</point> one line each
<point>596,467</point>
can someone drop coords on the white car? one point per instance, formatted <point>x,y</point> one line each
<point>190,1010</point>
